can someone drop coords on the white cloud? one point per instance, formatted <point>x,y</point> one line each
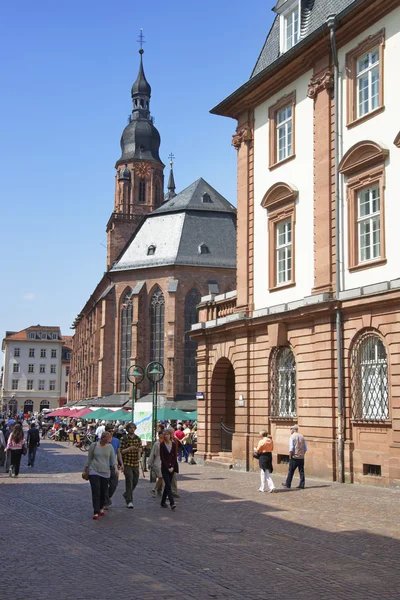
<point>29,297</point>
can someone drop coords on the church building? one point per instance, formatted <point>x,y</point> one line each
<point>164,252</point>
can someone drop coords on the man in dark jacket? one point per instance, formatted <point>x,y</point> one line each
<point>33,441</point>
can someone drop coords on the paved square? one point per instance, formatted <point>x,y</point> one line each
<point>225,540</point>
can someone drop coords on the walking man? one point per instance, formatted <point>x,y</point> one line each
<point>33,442</point>
<point>131,447</point>
<point>113,481</point>
<point>297,451</point>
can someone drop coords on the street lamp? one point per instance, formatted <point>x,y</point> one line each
<point>155,373</point>
<point>135,374</point>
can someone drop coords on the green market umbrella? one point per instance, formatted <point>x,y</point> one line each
<point>92,415</point>
<point>174,414</point>
<point>122,415</point>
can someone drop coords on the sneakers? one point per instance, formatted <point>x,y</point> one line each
<point>261,489</point>
<point>129,505</point>
<point>173,506</point>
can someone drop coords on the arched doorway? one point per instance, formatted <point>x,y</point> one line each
<point>12,407</point>
<point>28,406</point>
<point>222,406</point>
<point>44,404</point>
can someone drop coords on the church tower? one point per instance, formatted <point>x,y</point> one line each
<point>139,181</point>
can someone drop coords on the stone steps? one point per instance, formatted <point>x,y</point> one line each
<point>223,460</point>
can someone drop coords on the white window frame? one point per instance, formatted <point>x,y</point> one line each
<point>14,384</point>
<point>42,383</point>
<point>16,368</point>
<point>42,353</point>
<point>293,6</point>
<point>367,73</point>
<point>52,385</point>
<point>284,250</point>
<point>16,352</point>
<point>31,368</point>
<point>29,384</point>
<point>286,125</point>
<point>42,369</point>
<point>32,335</point>
<point>31,352</point>
<point>53,369</point>
<point>372,219</point>
<point>54,336</point>
<point>54,353</point>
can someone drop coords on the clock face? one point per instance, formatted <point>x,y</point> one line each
<point>143,170</point>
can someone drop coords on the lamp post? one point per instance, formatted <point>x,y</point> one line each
<point>155,373</point>
<point>135,374</point>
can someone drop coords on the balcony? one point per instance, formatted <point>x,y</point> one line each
<point>217,310</point>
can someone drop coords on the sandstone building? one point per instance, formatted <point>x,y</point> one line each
<point>163,254</point>
<point>313,335</point>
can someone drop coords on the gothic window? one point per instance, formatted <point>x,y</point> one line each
<point>283,383</point>
<point>126,334</point>
<point>190,368</point>
<point>142,190</point>
<point>369,379</point>
<point>157,311</point>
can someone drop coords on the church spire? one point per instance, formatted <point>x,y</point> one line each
<point>171,181</point>
<point>141,89</point>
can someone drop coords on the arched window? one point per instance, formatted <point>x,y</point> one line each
<point>151,250</point>
<point>12,406</point>
<point>44,404</point>
<point>206,199</point>
<point>157,311</point>
<point>203,249</point>
<point>283,383</point>
<point>190,368</point>
<point>369,379</point>
<point>126,335</point>
<point>142,190</point>
<point>28,406</point>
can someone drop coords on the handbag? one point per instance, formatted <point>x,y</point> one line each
<point>256,454</point>
<point>85,472</point>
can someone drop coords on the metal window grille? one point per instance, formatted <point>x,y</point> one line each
<point>193,298</point>
<point>283,383</point>
<point>369,379</point>
<point>157,310</point>
<point>126,336</point>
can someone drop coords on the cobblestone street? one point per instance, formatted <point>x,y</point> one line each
<point>225,540</point>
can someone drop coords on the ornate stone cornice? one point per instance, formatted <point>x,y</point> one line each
<point>243,134</point>
<point>320,82</point>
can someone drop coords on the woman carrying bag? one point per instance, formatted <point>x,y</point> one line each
<point>97,471</point>
<point>16,445</point>
<point>264,454</point>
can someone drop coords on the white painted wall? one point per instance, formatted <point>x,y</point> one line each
<point>297,172</point>
<point>382,128</point>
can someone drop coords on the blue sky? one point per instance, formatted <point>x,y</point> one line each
<point>66,70</point>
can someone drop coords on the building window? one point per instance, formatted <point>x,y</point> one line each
<point>53,369</point>
<point>29,384</point>
<point>151,250</point>
<point>290,27</point>
<point>67,370</point>
<point>54,354</point>
<point>44,336</point>
<point>31,352</point>
<point>32,335</point>
<point>142,190</point>
<point>369,379</point>
<point>41,385</point>
<point>31,368</point>
<point>283,383</point>
<point>66,387</point>
<point>193,298</point>
<point>157,310</point>
<point>16,352</point>
<point>43,353</point>
<point>28,406</point>
<point>126,338</point>
<point>42,369</point>
<point>364,66</point>
<point>44,404</point>
<point>206,199</point>
<point>280,202</point>
<point>203,249</point>
<point>368,220</point>
<point>283,241</point>
<point>16,368</point>
<point>282,130</point>
<point>54,336</point>
<point>52,385</point>
<point>365,165</point>
<point>14,384</point>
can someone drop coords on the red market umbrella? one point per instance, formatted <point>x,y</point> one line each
<point>82,412</point>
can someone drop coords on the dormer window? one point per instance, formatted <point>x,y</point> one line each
<point>204,249</point>
<point>151,250</point>
<point>206,199</point>
<point>289,24</point>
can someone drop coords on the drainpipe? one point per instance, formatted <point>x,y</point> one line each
<point>331,23</point>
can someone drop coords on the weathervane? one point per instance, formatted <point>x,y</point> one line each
<point>171,159</point>
<point>141,41</point>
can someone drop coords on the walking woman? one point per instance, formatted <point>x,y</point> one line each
<point>101,456</point>
<point>154,464</point>
<point>264,451</point>
<point>16,446</point>
<point>169,463</point>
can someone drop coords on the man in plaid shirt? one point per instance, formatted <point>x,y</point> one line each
<point>131,447</point>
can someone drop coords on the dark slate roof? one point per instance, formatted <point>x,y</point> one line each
<point>191,198</point>
<point>314,14</point>
<point>177,230</point>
